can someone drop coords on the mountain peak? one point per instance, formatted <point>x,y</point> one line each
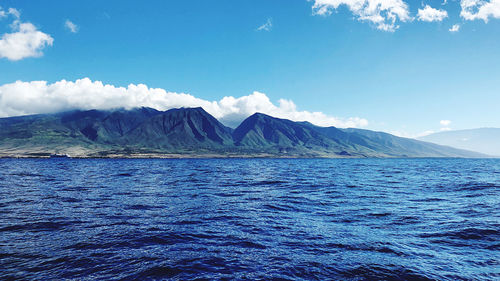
<point>195,109</point>
<point>190,110</point>
<point>192,131</point>
<point>263,116</point>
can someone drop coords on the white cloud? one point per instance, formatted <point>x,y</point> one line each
<point>445,122</point>
<point>73,28</point>
<point>25,40</point>
<point>445,127</point>
<point>11,11</point>
<point>411,136</point>
<point>455,28</point>
<point>14,12</point>
<point>266,26</point>
<point>430,14</point>
<point>383,13</point>
<point>21,98</point>
<point>480,9</point>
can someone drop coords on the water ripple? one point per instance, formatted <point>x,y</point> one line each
<point>249,219</point>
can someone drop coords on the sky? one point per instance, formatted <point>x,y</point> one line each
<point>404,67</point>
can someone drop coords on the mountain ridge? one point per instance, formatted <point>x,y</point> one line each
<point>483,140</point>
<point>192,132</point>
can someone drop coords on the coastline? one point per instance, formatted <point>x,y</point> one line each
<point>223,156</point>
<point>179,156</point>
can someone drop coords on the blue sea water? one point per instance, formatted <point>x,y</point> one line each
<point>282,219</point>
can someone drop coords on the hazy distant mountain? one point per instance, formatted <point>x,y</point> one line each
<point>194,132</point>
<point>484,140</point>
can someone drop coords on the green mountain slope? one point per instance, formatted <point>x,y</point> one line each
<point>394,146</point>
<point>285,136</point>
<point>180,129</point>
<point>194,132</point>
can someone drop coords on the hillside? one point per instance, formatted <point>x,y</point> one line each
<point>192,132</point>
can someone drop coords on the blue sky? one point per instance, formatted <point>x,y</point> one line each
<point>403,80</point>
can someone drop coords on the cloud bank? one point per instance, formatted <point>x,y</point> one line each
<point>430,14</point>
<point>22,98</point>
<point>384,14</point>
<point>480,9</point>
<point>25,40</point>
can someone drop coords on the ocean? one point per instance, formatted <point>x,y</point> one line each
<point>253,219</point>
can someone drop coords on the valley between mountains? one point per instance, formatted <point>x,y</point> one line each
<point>192,132</point>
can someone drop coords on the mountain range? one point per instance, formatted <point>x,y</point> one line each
<point>192,132</point>
<point>483,140</point>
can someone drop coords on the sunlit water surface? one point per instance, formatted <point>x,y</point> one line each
<point>366,219</point>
